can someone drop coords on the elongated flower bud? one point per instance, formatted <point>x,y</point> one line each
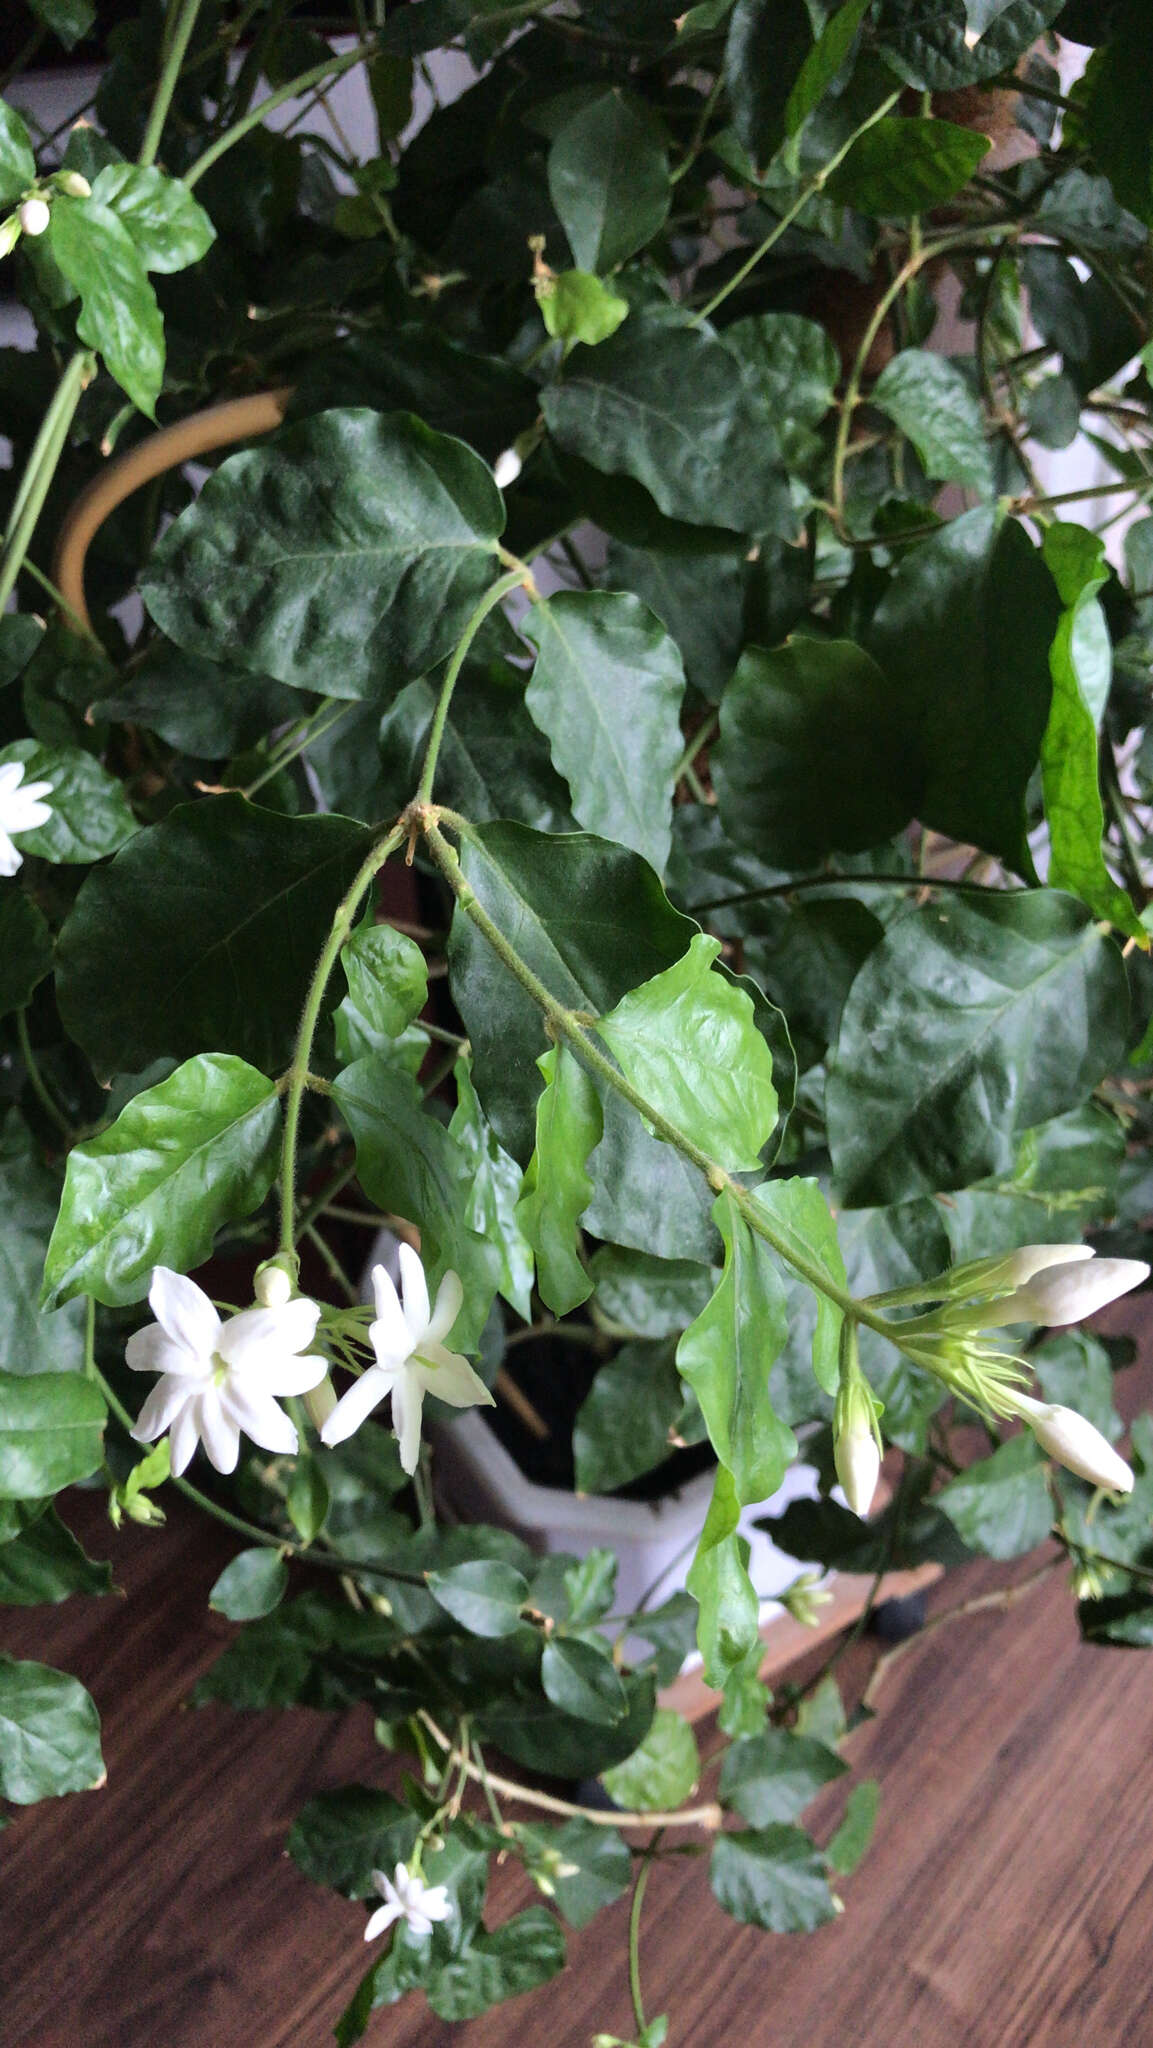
<point>34,216</point>
<point>1066,1293</point>
<point>506,468</point>
<point>858,1463</point>
<point>1075,1443</point>
<point>75,184</point>
<point>272,1287</point>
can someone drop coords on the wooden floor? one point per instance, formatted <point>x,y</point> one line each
<point>1008,1898</point>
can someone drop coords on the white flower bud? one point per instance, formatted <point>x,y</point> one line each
<point>1075,1443</point>
<point>1065,1293</point>
<point>9,233</point>
<point>1020,1266</point>
<point>75,184</point>
<point>272,1287</point>
<point>858,1463</point>
<point>34,216</point>
<point>506,468</point>
<point>320,1402</point>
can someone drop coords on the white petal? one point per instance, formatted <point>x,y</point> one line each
<point>10,860</point>
<point>381,1920</point>
<point>449,1296</point>
<point>11,776</point>
<point>414,1291</point>
<point>218,1432</point>
<point>407,1402</point>
<point>160,1410</point>
<point>417,1922</point>
<point>184,1438</point>
<point>436,1903</point>
<point>389,1335</point>
<point>356,1406</point>
<point>184,1310</point>
<point>24,815</point>
<point>291,1375</point>
<point>258,1416</point>
<point>259,1338</point>
<point>451,1378</point>
<point>152,1350</point>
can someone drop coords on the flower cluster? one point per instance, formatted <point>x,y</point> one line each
<point>407,1897</point>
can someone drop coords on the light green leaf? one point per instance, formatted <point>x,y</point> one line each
<point>662,1773</point>
<point>718,1579</point>
<point>623,1424</point>
<point>608,177</point>
<point>852,1838</point>
<point>169,228</point>
<point>1076,1371</point>
<point>934,405</point>
<point>387,977</point>
<point>119,315</point>
<point>484,1595</point>
<point>17,163</point>
<point>579,307</point>
<point>197,1151</point>
<point>51,1432</point>
<point>800,1214</point>
<point>25,949</point>
<point>606,690</point>
<point>590,1586</point>
<point>496,1192</point>
<point>971,1021</point>
<point>727,1355</point>
<point>49,1734</point>
<point>649,1297</point>
<point>253,1584</point>
<point>772,1877</point>
<point>687,1041</point>
<point>773,1776</point>
<point>582,1680</point>
<point>345,555</point>
<point>90,813</point>
<point>556,1184</point>
<point>898,167</point>
<point>1001,1505</point>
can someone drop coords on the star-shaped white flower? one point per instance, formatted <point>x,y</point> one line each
<point>20,811</point>
<point>218,1378</point>
<point>411,1360</point>
<point>407,1898</point>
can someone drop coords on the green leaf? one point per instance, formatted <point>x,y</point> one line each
<point>659,402</point>
<point>814,753</point>
<point>90,813</point>
<point>772,1877</point>
<point>608,177</point>
<point>1080,662</point>
<point>253,1584</point>
<point>49,1734</point>
<point>1001,1506</point>
<point>773,1776</point>
<point>556,1184</point>
<point>484,1595</point>
<point>927,1090</point>
<point>800,1214</point>
<point>699,598</point>
<point>1076,1371</point>
<point>933,404</point>
<point>522,1953</point>
<point>590,1586</point>
<point>196,705</point>
<point>794,363</point>
<point>688,1042</point>
<point>540,1737</point>
<point>852,1838</point>
<point>1118,110</point>
<point>46,1564</point>
<point>672,1631</point>
<point>17,162</point>
<point>606,690</point>
<point>623,1425</point>
<point>30,1342</point>
<point>581,1680</point>
<point>827,57</point>
<point>169,228</point>
<point>69,20</point>
<point>898,166</point>
<point>119,315</point>
<point>202,935</point>
<point>650,1297</point>
<point>197,1151</point>
<point>579,307</point>
<point>662,1773</point>
<point>493,761</point>
<point>21,633</point>
<point>926,42</point>
<point>602,1870</point>
<point>974,603</point>
<point>770,43</point>
<point>493,1205</point>
<point>410,1165</point>
<point>345,555</point>
<point>589,918</point>
<point>718,1580</point>
<point>341,1837</point>
<point>25,949</point>
<point>307,1499</point>
<point>387,977</point>
<point>727,1354</point>
<point>51,1432</point>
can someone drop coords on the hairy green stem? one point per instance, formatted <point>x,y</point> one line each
<point>492,597</point>
<point>850,882</point>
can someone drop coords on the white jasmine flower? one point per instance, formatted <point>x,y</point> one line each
<point>411,1360</point>
<point>1075,1443</point>
<point>1065,1292</point>
<point>20,811</point>
<point>506,469</point>
<point>407,1898</point>
<point>34,216</point>
<point>218,1378</point>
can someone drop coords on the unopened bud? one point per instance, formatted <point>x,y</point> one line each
<point>74,183</point>
<point>805,1598</point>
<point>858,1463</point>
<point>34,216</point>
<point>1065,1293</point>
<point>507,468</point>
<point>1075,1443</point>
<point>320,1402</point>
<point>272,1287</point>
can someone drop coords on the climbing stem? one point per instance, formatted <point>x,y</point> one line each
<point>492,597</point>
<point>182,21</point>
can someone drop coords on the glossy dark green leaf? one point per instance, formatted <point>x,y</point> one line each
<point>169,228</point>
<point>497,1181</point>
<point>801,1218</point>
<point>51,1432</point>
<point>17,163</point>
<point>608,175</point>
<point>484,1595</point>
<point>25,948</point>
<point>1081,663</point>
<point>582,1681</point>
<point>30,1342</point>
<point>934,405</point>
<point>494,763</point>
<point>852,1838</point>
<point>671,1628</point>
<point>45,1564</point>
<point>307,1499</point>
<point>662,1773</point>
<point>899,166</point>
<point>727,1355</point>
<point>409,1165</point>
<point>793,361</point>
<point>646,1195</point>
<point>483,399</point>
<point>539,1737</point>
<point>623,1424</point>
<point>814,754</point>
<point>972,1020</point>
<point>202,935</point>
<point>596,1863</point>
<point>772,1877</point>
<point>606,689</point>
<point>344,556</point>
<point>341,1837</point>
<point>387,977</point>
<point>926,41</point>
<point>69,20</point>
<point>649,1297</point>
<point>556,1183</point>
<point>119,315</point>
<point>773,1776</point>
<point>700,599</point>
<point>590,919</point>
<point>769,43</point>
<point>197,1151</point>
<point>196,705</point>
<point>90,813</point>
<point>825,60</point>
<point>21,634</point>
<point>49,1734</point>
<point>517,1956</point>
<point>1075,1370</point>
<point>718,1580</point>
<point>253,1584</point>
<point>660,403</point>
<point>1001,1506</point>
<point>1119,110</point>
<point>974,603</point>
